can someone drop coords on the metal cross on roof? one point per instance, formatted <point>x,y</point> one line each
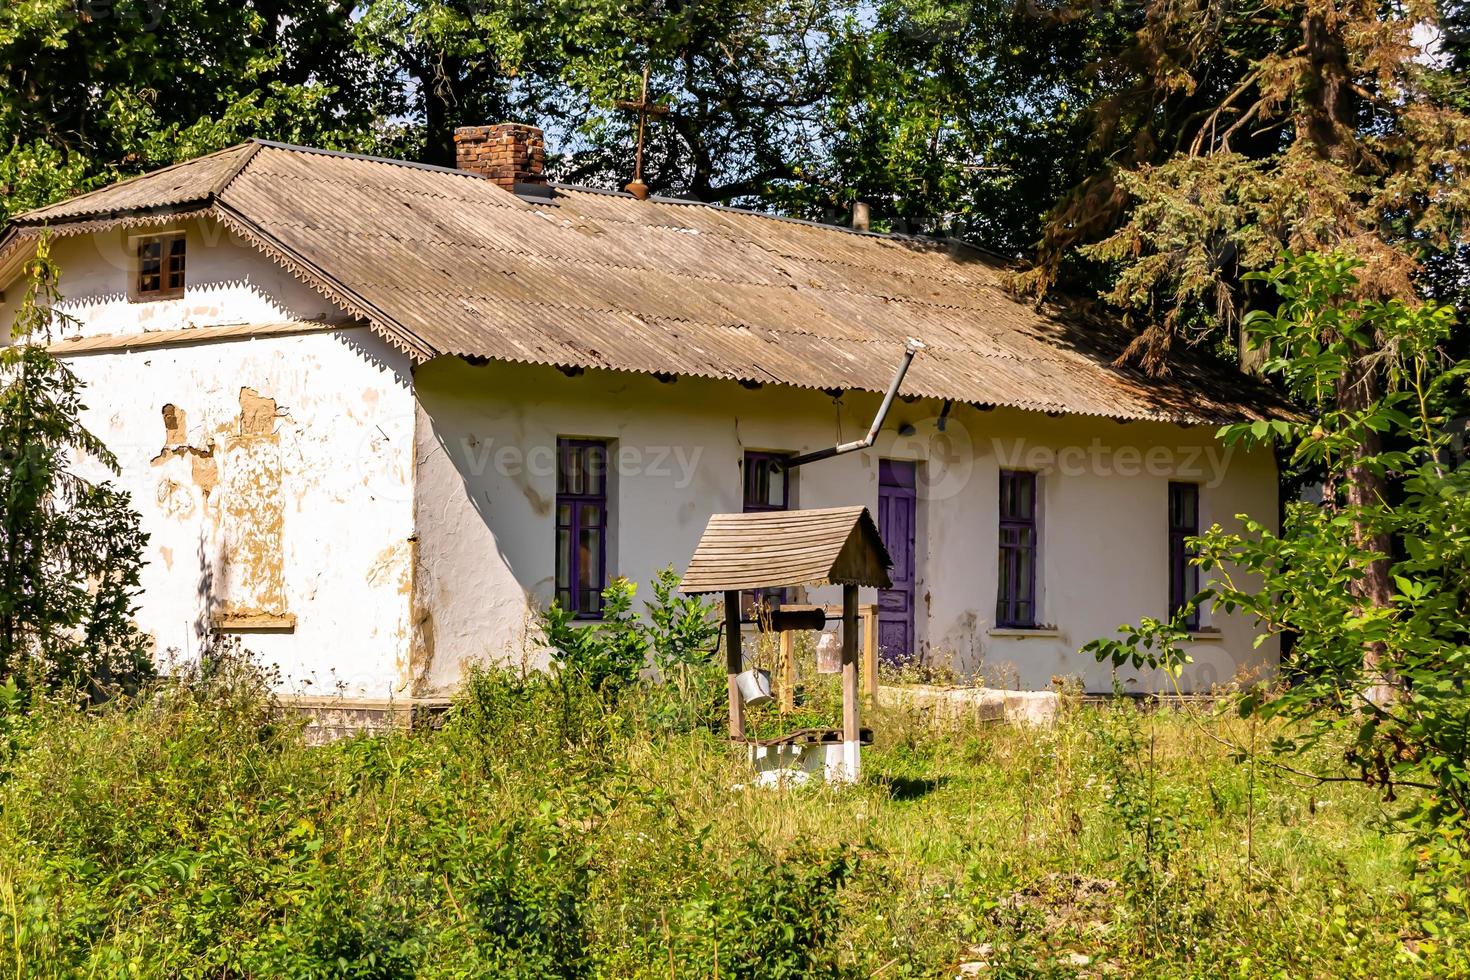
<point>644,108</point>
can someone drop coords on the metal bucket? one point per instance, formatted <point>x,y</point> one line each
<point>755,686</point>
<point>829,653</point>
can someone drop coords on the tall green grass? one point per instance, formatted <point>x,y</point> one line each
<point>544,832</point>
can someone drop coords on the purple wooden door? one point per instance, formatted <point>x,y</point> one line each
<point>896,525</point>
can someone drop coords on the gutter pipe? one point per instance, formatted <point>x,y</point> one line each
<point>910,349</point>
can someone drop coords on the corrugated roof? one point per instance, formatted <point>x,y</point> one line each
<point>445,262</point>
<point>767,549</point>
<point>192,180</point>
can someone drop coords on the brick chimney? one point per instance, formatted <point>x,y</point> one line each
<point>511,154</point>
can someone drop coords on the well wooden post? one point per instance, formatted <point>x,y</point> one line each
<point>870,651</point>
<point>851,721</point>
<point>733,663</point>
<point>788,671</point>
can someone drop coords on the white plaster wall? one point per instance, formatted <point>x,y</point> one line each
<point>486,489</point>
<point>226,282</point>
<point>1103,489</point>
<point>328,479</point>
<point>323,498</point>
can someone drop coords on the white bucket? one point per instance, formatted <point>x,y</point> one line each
<point>755,686</point>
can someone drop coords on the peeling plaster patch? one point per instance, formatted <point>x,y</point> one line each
<point>253,514</point>
<point>257,414</point>
<point>204,470</point>
<point>421,648</point>
<point>174,500</point>
<point>392,565</point>
<point>167,554</point>
<point>175,426</point>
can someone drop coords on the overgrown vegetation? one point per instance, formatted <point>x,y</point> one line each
<point>1383,683</point>
<point>70,548</point>
<point>191,832</point>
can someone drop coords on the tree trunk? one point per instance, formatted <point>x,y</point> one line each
<point>1327,117</point>
<point>1367,489</point>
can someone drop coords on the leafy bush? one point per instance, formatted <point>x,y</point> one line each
<point>193,833</point>
<point>607,654</point>
<point>70,550</point>
<point>783,916</point>
<point>683,630</point>
<point>679,635</point>
<point>1377,690</point>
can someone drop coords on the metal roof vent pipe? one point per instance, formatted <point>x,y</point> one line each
<point>910,349</point>
<point>862,216</point>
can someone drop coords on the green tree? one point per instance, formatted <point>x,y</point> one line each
<point>456,63</point>
<point>97,89</point>
<point>70,549</point>
<point>1230,133</point>
<point>1399,718</point>
<point>948,118</point>
<point>1226,133</point>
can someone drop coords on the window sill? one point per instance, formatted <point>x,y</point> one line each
<point>1024,632</point>
<point>1205,636</point>
<point>252,623</point>
<point>136,297</point>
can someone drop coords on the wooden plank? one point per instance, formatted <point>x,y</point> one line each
<point>252,622</point>
<point>870,651</point>
<point>788,672</point>
<point>191,335</point>
<point>733,664</point>
<point>765,540</point>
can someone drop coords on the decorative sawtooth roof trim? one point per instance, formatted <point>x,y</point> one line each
<point>385,326</point>
<point>20,240</point>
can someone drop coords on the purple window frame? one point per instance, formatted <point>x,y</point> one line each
<point>581,525</point>
<point>757,462</point>
<point>751,502</point>
<point>1183,525</point>
<point>1015,600</point>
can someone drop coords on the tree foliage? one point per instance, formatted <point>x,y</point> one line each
<point>1303,584</point>
<point>1229,132</point>
<point>70,549</point>
<point>96,89</point>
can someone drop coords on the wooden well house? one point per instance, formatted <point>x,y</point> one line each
<point>786,549</point>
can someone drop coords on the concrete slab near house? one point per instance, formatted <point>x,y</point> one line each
<point>949,705</point>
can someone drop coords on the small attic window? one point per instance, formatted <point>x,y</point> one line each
<point>160,267</point>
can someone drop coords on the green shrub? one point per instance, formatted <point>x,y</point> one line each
<point>193,833</point>
<point>783,915</point>
<point>606,655</point>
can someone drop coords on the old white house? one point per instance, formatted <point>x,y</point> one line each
<point>366,408</point>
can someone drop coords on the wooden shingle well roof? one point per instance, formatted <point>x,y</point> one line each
<point>831,546</point>
<point>444,262</point>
